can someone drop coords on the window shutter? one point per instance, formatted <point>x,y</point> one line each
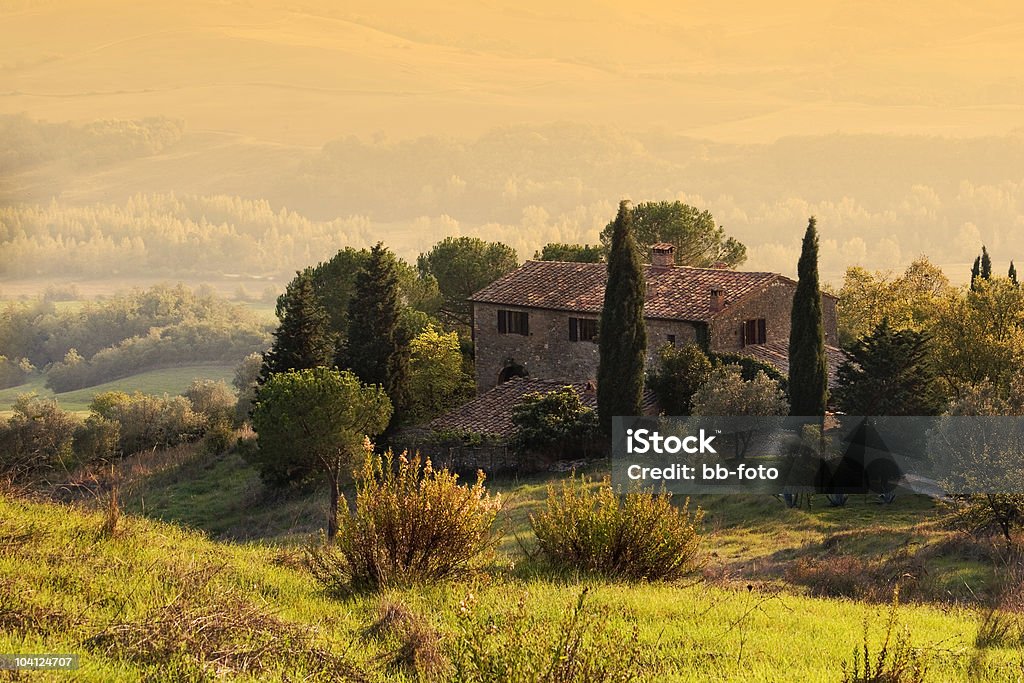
<point>502,322</point>
<point>526,324</point>
<point>574,334</point>
<point>762,331</point>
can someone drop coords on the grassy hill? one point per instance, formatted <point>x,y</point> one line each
<point>154,601</point>
<point>785,593</point>
<point>165,380</point>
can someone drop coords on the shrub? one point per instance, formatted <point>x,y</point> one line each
<point>640,535</point>
<point>680,372</point>
<point>411,524</point>
<point>212,398</point>
<point>555,424</point>
<point>147,421</point>
<point>37,438</point>
<point>97,439</point>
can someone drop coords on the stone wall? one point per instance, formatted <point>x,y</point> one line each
<point>547,353</point>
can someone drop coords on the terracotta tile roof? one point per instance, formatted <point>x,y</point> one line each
<point>673,293</point>
<point>778,355</point>
<point>491,411</point>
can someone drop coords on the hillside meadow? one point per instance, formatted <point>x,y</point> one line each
<point>205,577</point>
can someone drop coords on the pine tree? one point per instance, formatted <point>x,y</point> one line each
<point>808,370</point>
<point>1012,273</point>
<point>975,272</point>
<point>378,344</point>
<point>303,339</point>
<point>623,333</point>
<point>888,373</point>
<point>986,264</point>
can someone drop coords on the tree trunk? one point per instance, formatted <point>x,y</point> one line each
<point>332,512</point>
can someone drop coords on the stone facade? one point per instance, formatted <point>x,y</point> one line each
<point>547,352</point>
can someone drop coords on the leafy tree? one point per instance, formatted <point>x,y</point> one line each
<point>889,372</point>
<point>978,334</point>
<point>995,450</point>
<point>808,369</point>
<point>246,382</point>
<point>555,424</point>
<point>378,345</point>
<point>680,373</point>
<point>698,240</point>
<point>462,266</point>
<point>334,282</point>
<point>576,253</point>
<point>315,422</point>
<point>303,339</point>
<point>437,379</point>
<point>727,393</point>
<point>623,342</point>
<point>909,301</point>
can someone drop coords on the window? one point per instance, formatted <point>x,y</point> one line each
<point>672,339</point>
<point>514,322</point>
<point>582,329</point>
<point>754,332</point>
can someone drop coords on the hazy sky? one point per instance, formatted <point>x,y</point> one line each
<point>304,71</point>
<point>261,86</point>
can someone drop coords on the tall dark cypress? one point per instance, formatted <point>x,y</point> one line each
<point>1012,273</point>
<point>975,272</point>
<point>623,333</point>
<point>377,349</point>
<point>986,264</point>
<point>808,369</point>
<point>303,340</point>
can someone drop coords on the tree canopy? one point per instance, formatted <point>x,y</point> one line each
<point>314,422</point>
<point>698,240</point>
<point>889,372</point>
<point>462,266</point>
<point>575,253</point>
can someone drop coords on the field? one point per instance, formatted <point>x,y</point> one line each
<point>224,588</point>
<point>166,380</point>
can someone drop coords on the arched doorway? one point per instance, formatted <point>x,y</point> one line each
<point>512,369</point>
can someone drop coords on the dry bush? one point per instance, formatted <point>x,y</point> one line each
<point>412,524</point>
<point>210,628</point>
<point>895,661</point>
<point>640,535</point>
<point>419,645</point>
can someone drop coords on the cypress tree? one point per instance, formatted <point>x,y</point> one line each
<point>975,272</point>
<point>378,344</point>
<point>986,264</point>
<point>303,340</point>
<point>1012,273</point>
<point>623,334</point>
<point>808,370</point>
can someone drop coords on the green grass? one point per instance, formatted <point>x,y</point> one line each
<point>165,380</point>
<point>64,582</point>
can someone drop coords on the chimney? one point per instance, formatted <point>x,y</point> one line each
<point>662,255</point>
<point>717,300</point>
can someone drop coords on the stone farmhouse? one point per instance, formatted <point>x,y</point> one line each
<point>541,320</point>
